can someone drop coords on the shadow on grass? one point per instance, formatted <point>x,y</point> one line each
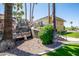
<point>69,32</point>
<point>65,51</point>
<point>63,33</point>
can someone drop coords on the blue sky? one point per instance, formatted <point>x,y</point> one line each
<point>67,11</point>
<point>1,9</point>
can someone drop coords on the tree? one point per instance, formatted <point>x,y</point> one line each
<point>18,11</point>
<point>33,10</point>
<point>27,24</point>
<point>25,11</point>
<point>49,12</point>
<point>30,12</point>
<point>71,24</point>
<point>54,19</point>
<point>7,41</point>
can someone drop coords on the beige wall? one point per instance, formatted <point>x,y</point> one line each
<point>59,24</point>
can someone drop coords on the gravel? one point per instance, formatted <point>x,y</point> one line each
<point>30,48</point>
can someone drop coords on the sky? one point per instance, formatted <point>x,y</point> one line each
<point>66,11</point>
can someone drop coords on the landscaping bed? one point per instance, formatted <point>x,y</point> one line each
<point>31,47</point>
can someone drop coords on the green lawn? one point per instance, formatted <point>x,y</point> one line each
<point>71,34</point>
<point>65,50</point>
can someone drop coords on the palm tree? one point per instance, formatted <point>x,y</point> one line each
<point>32,16</point>
<point>7,41</point>
<point>49,12</point>
<point>25,11</point>
<point>18,11</point>
<point>30,12</point>
<point>33,10</point>
<point>8,21</point>
<point>71,24</point>
<point>54,19</point>
<point>27,24</point>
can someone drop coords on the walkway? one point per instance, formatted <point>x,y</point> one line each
<point>70,39</point>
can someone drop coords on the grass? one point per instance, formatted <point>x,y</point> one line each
<point>71,34</point>
<point>65,50</point>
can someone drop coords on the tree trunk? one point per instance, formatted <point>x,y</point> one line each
<point>54,20</point>
<point>8,22</point>
<point>33,11</point>
<point>49,12</point>
<point>26,15</point>
<point>27,23</point>
<point>7,41</point>
<point>30,12</point>
<point>25,11</point>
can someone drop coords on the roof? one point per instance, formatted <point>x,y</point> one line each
<point>57,18</point>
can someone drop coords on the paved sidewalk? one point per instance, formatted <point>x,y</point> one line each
<point>70,39</point>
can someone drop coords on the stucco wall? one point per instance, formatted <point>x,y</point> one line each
<point>59,23</point>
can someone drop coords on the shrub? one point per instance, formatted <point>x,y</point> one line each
<point>73,28</point>
<point>45,34</point>
<point>62,32</point>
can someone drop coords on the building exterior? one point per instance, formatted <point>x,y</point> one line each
<point>20,25</point>
<point>59,22</point>
<point>1,22</point>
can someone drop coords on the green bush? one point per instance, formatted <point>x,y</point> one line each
<point>45,34</point>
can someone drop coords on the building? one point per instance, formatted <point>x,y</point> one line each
<point>20,25</point>
<point>1,22</point>
<point>59,22</point>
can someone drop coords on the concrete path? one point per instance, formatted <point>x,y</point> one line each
<point>70,39</point>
